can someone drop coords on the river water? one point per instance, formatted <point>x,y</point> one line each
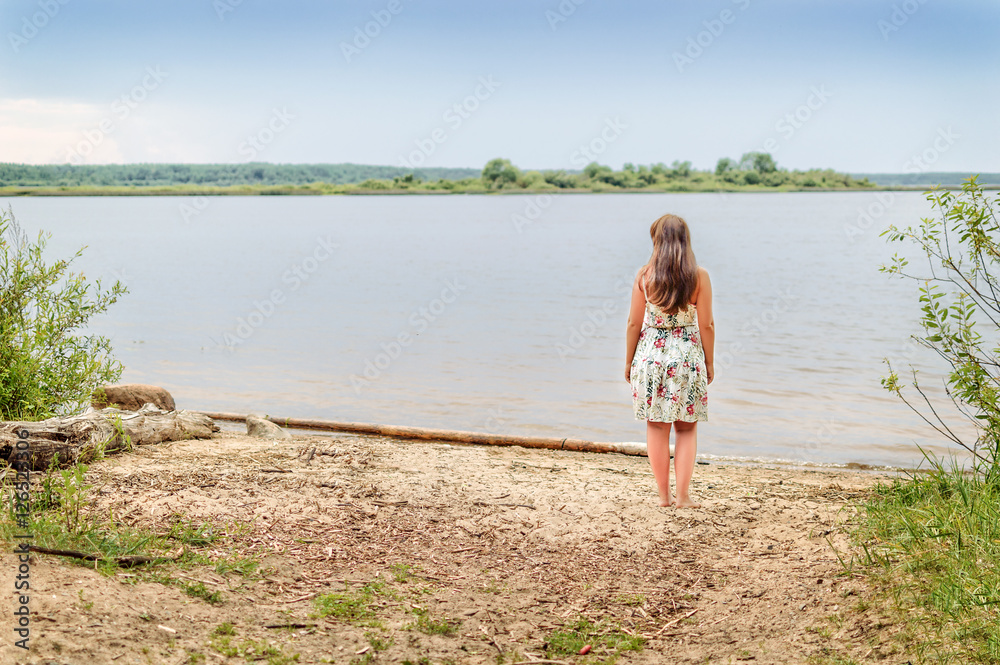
<point>507,313</point>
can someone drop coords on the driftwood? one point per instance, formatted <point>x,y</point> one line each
<point>79,438</point>
<point>122,561</point>
<point>423,433</point>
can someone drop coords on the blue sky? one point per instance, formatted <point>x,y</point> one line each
<point>854,85</point>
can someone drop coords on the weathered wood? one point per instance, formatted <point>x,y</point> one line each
<point>426,434</point>
<point>122,561</point>
<point>80,437</point>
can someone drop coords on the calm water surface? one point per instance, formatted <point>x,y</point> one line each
<point>505,313</point>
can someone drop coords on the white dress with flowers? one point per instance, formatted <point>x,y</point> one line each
<point>668,376</point>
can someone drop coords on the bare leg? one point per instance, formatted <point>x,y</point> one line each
<point>658,450</point>
<point>685,448</point>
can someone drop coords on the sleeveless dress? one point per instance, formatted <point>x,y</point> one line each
<point>668,377</point>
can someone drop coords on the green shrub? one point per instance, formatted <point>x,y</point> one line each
<point>48,366</point>
<point>959,293</point>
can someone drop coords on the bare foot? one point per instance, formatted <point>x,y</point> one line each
<point>668,502</point>
<point>688,503</point>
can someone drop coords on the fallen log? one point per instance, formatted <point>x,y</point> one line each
<point>121,561</point>
<point>426,434</point>
<point>81,437</point>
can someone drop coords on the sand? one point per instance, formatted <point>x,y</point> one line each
<point>507,545</point>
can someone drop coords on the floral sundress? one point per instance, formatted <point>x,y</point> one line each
<point>668,377</point>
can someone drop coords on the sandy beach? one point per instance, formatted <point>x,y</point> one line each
<point>500,548</point>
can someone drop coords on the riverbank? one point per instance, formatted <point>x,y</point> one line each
<point>379,550</point>
<point>325,189</point>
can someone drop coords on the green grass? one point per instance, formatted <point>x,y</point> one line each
<point>401,572</point>
<point>931,544</point>
<point>345,606</point>
<point>631,599</point>
<point>110,540</point>
<point>224,629</point>
<point>607,642</point>
<point>377,642</point>
<point>250,650</point>
<point>425,624</point>
<point>193,534</point>
<point>199,590</point>
<point>352,605</point>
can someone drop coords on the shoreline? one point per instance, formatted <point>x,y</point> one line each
<point>350,190</point>
<point>232,425</point>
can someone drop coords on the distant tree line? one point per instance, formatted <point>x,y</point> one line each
<point>753,169</point>
<point>216,175</point>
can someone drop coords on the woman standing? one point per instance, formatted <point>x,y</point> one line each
<point>669,354</point>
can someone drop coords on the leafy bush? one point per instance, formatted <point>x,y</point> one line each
<point>723,165</point>
<point>499,172</point>
<point>48,364</point>
<point>560,179</point>
<point>959,296</point>
<point>371,183</point>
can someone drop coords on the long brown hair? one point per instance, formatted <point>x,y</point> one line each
<point>672,273</point>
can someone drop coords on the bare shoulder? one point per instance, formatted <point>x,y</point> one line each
<point>703,284</point>
<point>640,278</point>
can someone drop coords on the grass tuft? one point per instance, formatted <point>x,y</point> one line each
<point>607,641</point>
<point>931,542</point>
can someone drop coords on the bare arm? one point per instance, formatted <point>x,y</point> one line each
<point>706,323</point>
<point>636,313</point>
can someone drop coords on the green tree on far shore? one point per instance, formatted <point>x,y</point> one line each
<point>761,162</point>
<point>724,165</point>
<point>500,172</point>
